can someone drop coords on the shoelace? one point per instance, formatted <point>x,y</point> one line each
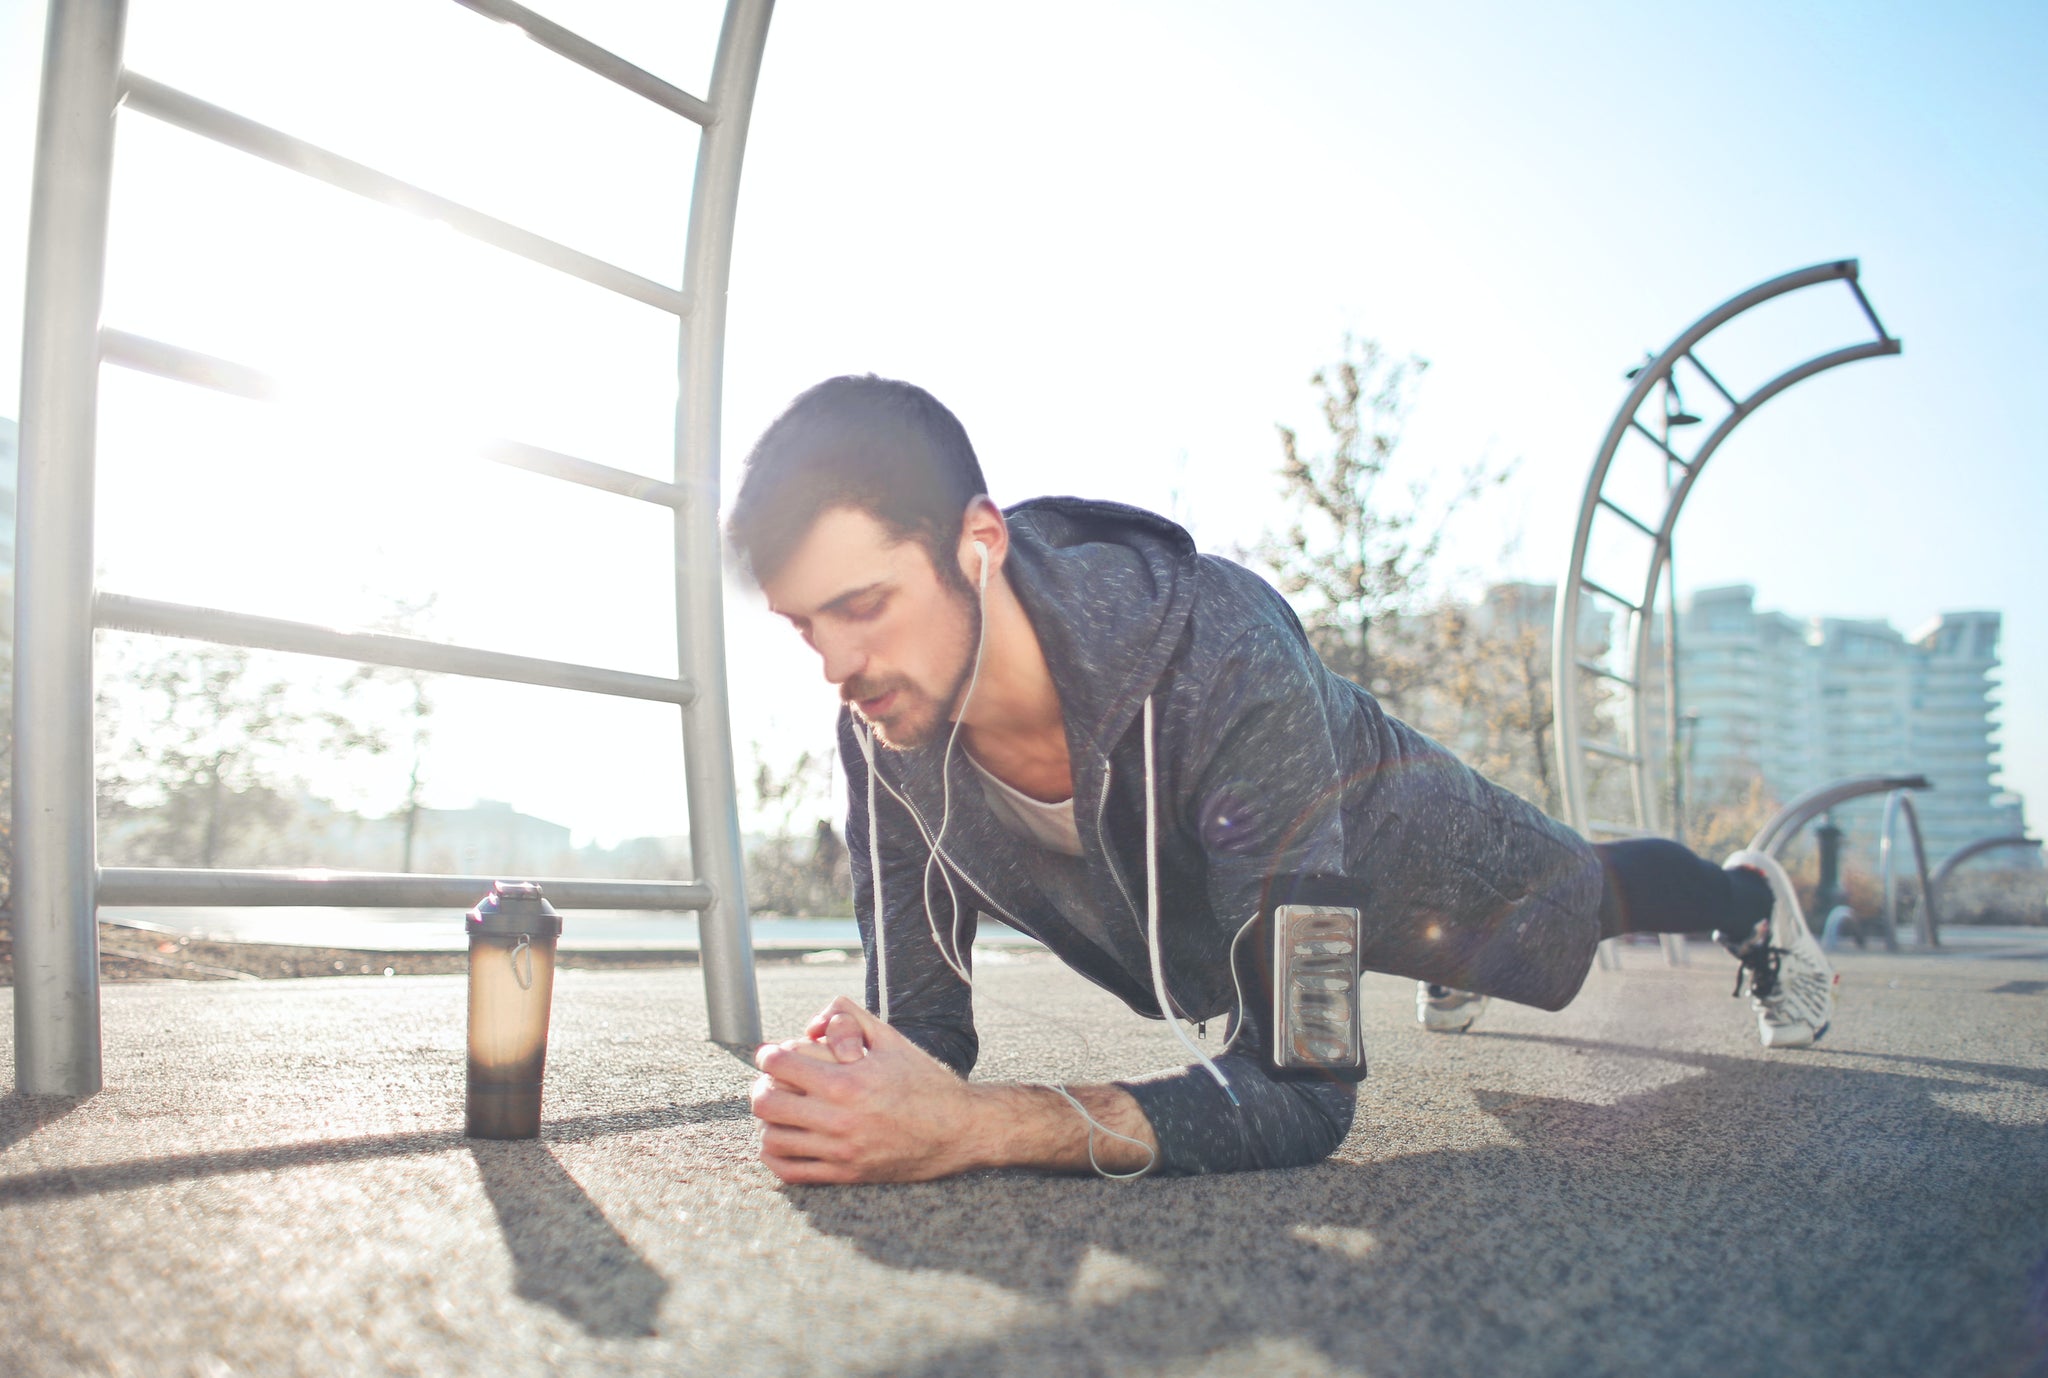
<point>1757,962</point>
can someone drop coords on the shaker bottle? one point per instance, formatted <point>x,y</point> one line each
<point>512,936</point>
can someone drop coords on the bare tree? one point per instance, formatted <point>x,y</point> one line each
<point>198,749</point>
<point>1357,557</point>
<point>1491,695</point>
<point>788,872</point>
<point>415,707</point>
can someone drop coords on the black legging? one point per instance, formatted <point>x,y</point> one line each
<point>1656,886</point>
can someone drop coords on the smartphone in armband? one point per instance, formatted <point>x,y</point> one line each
<point>1310,939</point>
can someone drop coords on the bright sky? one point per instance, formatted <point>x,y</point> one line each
<point>1116,238</point>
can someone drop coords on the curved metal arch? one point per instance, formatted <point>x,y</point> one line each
<point>1566,662</point>
<point>1926,924</point>
<point>1978,848</point>
<point>1777,834</point>
<point>1713,442</point>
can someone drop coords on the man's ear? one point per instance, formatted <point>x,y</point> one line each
<point>982,527</point>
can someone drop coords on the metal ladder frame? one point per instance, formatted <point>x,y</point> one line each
<point>57,880</point>
<point>1568,658</point>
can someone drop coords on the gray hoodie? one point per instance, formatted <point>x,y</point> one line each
<point>1266,765</point>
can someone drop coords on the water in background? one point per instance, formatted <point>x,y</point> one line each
<point>435,930</point>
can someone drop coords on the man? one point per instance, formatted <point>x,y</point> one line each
<point>1064,717</point>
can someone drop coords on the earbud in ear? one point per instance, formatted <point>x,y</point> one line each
<point>982,550</point>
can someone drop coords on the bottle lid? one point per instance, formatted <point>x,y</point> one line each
<point>513,907</point>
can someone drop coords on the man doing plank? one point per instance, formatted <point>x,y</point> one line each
<point>1063,716</point>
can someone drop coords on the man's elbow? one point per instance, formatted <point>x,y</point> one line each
<point>1334,1115</point>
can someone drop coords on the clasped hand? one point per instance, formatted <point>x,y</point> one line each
<point>853,1100</point>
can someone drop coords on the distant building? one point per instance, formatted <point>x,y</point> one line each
<point>487,838</point>
<point>1801,703</point>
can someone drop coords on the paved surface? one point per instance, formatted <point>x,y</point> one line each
<point>275,1182</point>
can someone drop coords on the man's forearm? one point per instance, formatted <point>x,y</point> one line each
<point>1026,1125</point>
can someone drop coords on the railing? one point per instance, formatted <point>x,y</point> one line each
<point>57,883</point>
<point>1978,848</point>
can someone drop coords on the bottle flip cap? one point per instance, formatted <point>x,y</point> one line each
<point>512,908</point>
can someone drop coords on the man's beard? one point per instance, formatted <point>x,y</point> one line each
<point>909,733</point>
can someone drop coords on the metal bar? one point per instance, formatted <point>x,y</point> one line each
<point>1978,848</point>
<point>1676,458</point>
<point>1606,592</point>
<point>238,380</point>
<point>1705,373</point>
<point>1595,667</point>
<point>224,126</point>
<point>1926,924</point>
<point>375,890</point>
<point>180,365</point>
<point>1631,518</point>
<point>1869,311</point>
<point>1619,753</point>
<point>534,459</point>
<point>729,992</point>
<point>1674,764</point>
<point>56,942</point>
<point>119,612</point>
<point>1785,825</point>
<point>589,56</point>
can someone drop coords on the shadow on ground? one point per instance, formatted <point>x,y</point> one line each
<point>1743,1219</point>
<point>565,1254</point>
<point>21,1116</point>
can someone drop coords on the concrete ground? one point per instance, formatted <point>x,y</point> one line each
<point>275,1181</point>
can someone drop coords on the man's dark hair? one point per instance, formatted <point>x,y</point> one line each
<point>885,448</point>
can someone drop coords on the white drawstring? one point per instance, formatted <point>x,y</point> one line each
<point>867,751</point>
<point>1152,912</point>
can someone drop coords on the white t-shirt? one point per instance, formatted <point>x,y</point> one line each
<point>1050,826</point>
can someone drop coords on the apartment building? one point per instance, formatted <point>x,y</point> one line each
<point>1799,703</point>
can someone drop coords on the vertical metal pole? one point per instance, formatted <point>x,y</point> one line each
<point>1672,750</point>
<point>1672,943</point>
<point>56,938</point>
<point>733,1003</point>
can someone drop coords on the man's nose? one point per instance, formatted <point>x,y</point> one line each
<point>843,656</point>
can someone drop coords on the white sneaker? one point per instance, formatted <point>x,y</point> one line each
<point>1443,1010</point>
<point>1791,985</point>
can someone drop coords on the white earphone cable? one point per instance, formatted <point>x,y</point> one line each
<point>1096,1126</point>
<point>952,953</point>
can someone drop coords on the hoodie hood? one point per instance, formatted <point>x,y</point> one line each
<point>1109,589</point>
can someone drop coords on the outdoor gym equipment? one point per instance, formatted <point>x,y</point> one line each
<point>1578,649</point>
<point>57,880</point>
